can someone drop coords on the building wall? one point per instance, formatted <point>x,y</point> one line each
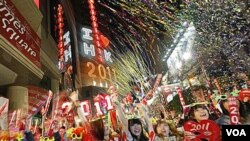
<point>26,72</point>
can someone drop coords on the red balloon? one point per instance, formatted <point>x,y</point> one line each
<point>105,41</point>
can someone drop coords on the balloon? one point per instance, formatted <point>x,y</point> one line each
<point>105,41</point>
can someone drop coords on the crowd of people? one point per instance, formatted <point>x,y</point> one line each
<point>131,120</point>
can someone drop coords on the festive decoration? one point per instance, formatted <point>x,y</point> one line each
<point>96,34</point>
<point>244,93</point>
<point>60,44</point>
<point>205,129</point>
<point>234,111</point>
<point>102,104</point>
<point>45,109</point>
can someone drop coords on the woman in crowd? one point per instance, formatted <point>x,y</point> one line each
<point>199,127</point>
<point>224,119</point>
<point>165,132</point>
<point>133,128</point>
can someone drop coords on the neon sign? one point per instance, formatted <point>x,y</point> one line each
<point>87,48</point>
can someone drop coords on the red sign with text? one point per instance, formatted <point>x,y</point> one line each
<point>15,29</point>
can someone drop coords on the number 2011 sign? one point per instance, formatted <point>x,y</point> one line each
<point>102,103</point>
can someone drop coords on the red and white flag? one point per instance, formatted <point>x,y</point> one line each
<point>37,98</point>
<point>45,109</point>
<point>4,104</point>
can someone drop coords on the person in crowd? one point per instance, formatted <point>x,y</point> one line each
<point>198,114</point>
<point>28,134</point>
<point>200,94</point>
<point>164,123</point>
<point>98,130</point>
<point>62,133</point>
<point>224,119</point>
<point>133,128</point>
<point>163,131</point>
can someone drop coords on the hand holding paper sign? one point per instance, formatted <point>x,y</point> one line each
<point>3,107</point>
<point>4,103</point>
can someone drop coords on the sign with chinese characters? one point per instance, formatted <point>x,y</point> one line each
<point>16,30</point>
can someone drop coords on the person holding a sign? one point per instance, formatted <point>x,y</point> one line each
<point>133,128</point>
<point>237,111</point>
<point>199,126</point>
<point>163,131</point>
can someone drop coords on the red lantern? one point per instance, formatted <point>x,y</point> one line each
<point>97,37</point>
<point>60,13</point>
<point>95,30</point>
<point>60,19</point>
<point>61,25</point>
<point>60,45</point>
<point>100,59</point>
<point>61,32</point>
<point>61,38</point>
<point>92,12</point>
<point>98,44</point>
<point>91,1</point>
<point>99,51</point>
<point>91,6</point>
<point>61,52</point>
<point>94,24</point>
<point>93,18</point>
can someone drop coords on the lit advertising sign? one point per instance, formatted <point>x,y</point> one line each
<point>93,72</point>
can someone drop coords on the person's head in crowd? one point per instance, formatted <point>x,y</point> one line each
<point>224,105</point>
<point>198,113</point>
<point>106,129</point>
<point>62,131</point>
<point>162,129</point>
<point>136,129</point>
<point>98,129</point>
<point>198,93</point>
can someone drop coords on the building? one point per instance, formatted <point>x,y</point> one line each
<point>28,53</point>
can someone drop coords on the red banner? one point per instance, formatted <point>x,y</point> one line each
<point>234,111</point>
<point>15,29</point>
<point>37,98</point>
<point>4,105</point>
